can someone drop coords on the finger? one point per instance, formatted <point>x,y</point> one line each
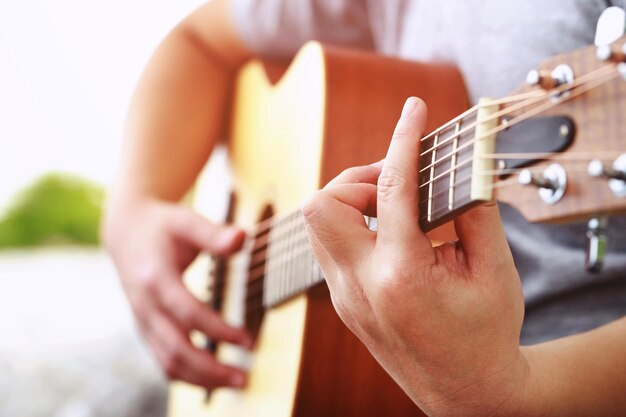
<point>189,313</point>
<point>182,361</point>
<point>366,174</point>
<point>482,236</point>
<point>334,219</point>
<point>398,219</point>
<point>214,238</point>
<point>360,196</point>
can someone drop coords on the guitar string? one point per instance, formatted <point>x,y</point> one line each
<point>301,234</point>
<point>254,288</point>
<point>253,285</point>
<point>474,109</point>
<point>508,110</point>
<point>530,113</point>
<point>273,221</point>
<point>511,123</point>
<point>574,157</point>
<point>518,97</point>
<point>538,109</point>
<point>499,184</point>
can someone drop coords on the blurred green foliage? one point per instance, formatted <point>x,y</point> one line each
<point>56,209</point>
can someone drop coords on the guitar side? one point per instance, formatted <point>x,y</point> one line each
<point>331,109</point>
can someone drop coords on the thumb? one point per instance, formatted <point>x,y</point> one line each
<point>482,235</point>
<point>216,239</point>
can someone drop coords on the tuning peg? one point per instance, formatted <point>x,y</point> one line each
<point>616,173</point>
<point>562,74</point>
<point>596,240</point>
<point>541,79</point>
<point>597,169</point>
<point>528,178</point>
<point>551,183</point>
<point>608,53</point>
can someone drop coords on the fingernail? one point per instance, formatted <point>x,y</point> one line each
<point>409,106</point>
<point>378,164</point>
<point>237,380</point>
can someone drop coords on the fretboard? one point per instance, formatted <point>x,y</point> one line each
<point>445,172</point>
<point>450,181</point>
<point>290,267</point>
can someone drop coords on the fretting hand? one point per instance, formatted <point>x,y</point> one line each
<point>444,321</point>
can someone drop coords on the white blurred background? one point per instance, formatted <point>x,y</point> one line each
<point>67,71</point>
<point>68,347</point>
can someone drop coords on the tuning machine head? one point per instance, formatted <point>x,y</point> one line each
<point>551,184</point>
<point>561,75</point>
<point>615,172</point>
<point>608,53</point>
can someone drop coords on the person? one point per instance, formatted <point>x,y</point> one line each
<point>456,345</point>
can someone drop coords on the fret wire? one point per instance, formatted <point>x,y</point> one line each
<point>455,144</point>
<point>444,173</point>
<point>432,174</point>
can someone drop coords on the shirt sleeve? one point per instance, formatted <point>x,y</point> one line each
<point>277,28</point>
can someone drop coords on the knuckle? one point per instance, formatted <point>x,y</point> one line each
<point>402,132</point>
<point>219,373</point>
<point>391,182</point>
<point>172,361</point>
<point>391,282</point>
<point>149,278</point>
<point>170,370</point>
<point>188,316</point>
<point>355,173</point>
<point>349,172</point>
<point>229,333</point>
<point>185,221</point>
<point>312,205</point>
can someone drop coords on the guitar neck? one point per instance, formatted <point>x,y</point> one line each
<point>289,267</point>
<point>450,182</point>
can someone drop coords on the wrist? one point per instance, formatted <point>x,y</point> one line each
<point>121,210</point>
<point>503,393</point>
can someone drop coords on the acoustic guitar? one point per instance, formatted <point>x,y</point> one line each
<point>555,149</point>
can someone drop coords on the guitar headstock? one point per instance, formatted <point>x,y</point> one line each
<point>564,156</point>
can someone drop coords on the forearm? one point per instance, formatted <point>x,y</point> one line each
<point>581,375</point>
<point>179,107</point>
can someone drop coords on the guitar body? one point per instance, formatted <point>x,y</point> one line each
<point>331,109</point>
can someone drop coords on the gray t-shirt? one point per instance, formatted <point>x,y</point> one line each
<point>494,43</point>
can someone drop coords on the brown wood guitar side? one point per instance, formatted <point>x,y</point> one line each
<point>330,110</point>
